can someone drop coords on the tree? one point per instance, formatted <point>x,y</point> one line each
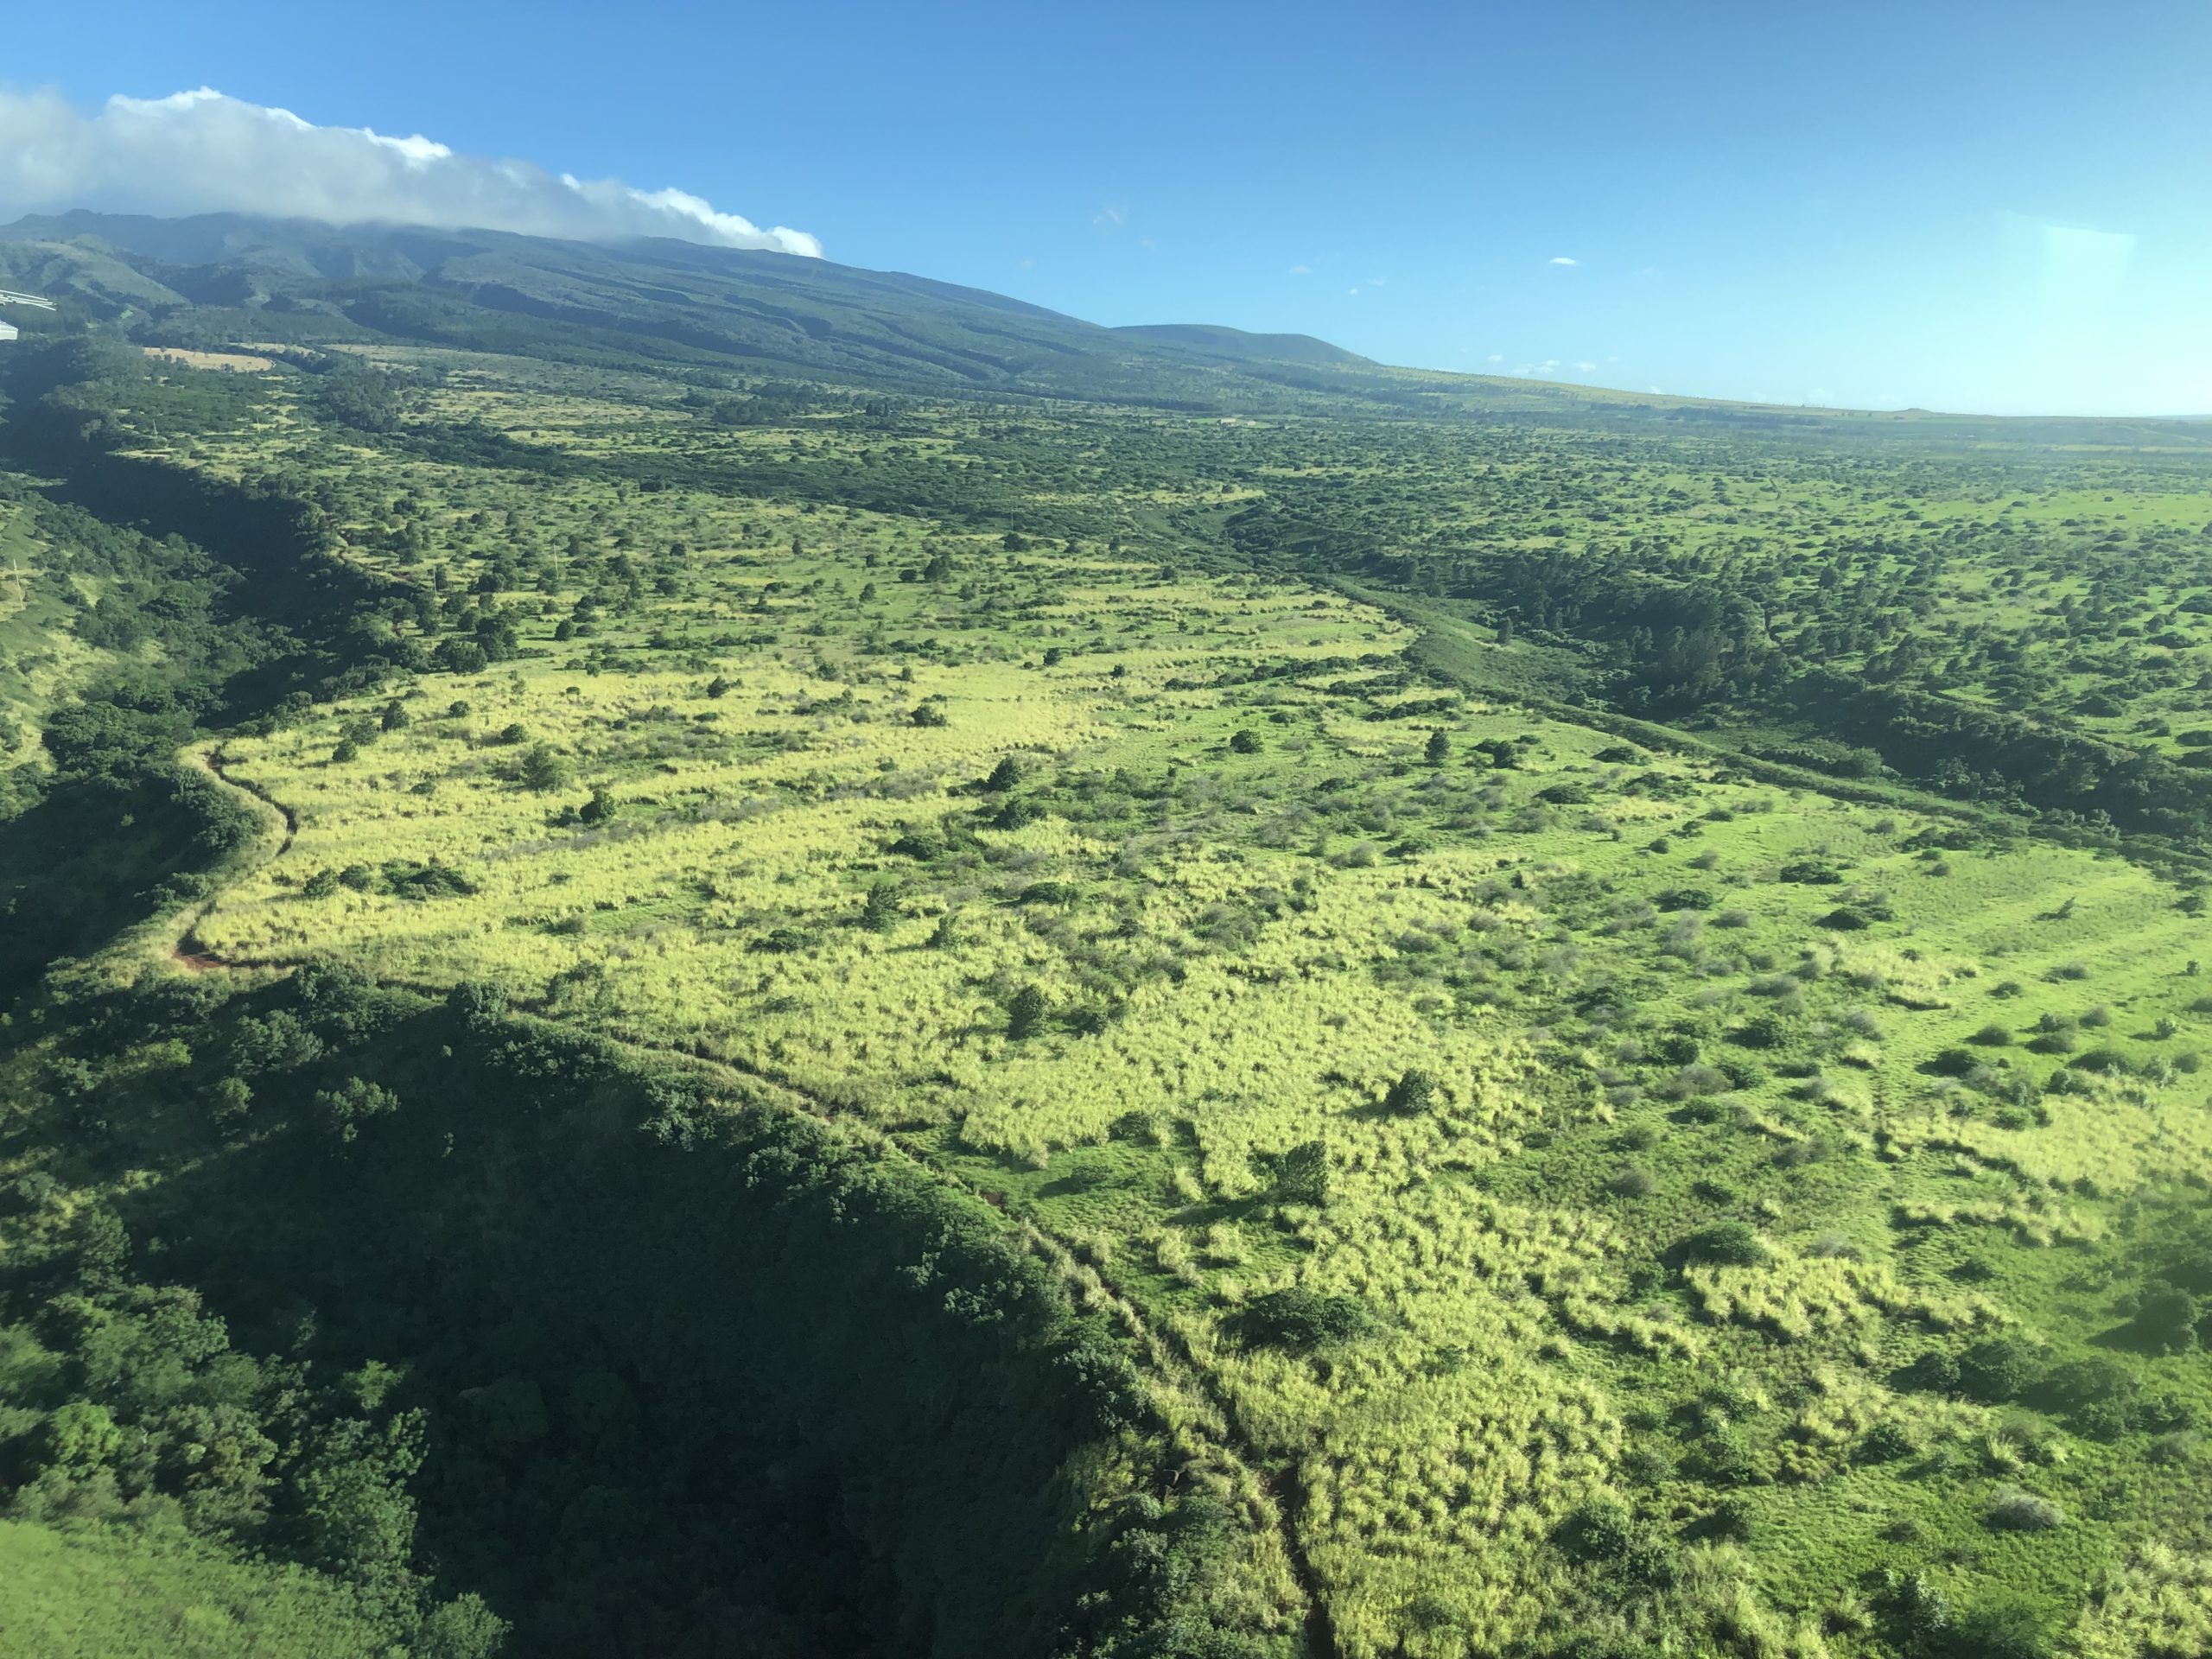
<point>1299,1175</point>
<point>350,1495</point>
<point>230,1100</point>
<point>543,770</point>
<point>1412,1092</point>
<point>879,910</point>
<point>2005,1628</point>
<point>463,1628</point>
<point>1997,1369</point>
<point>1027,1012</point>
<point>1298,1319</point>
<point>80,1438</point>
<point>1245,742</point>
<point>2168,1320</point>
<point>354,1102</point>
<point>1439,748</point>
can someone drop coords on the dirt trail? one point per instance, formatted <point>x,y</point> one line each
<point>187,952</point>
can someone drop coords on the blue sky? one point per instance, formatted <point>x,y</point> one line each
<point>1983,206</point>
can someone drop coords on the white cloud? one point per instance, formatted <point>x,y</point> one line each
<point>1110,218</point>
<point>1561,259</point>
<point>1586,368</point>
<point>1495,357</point>
<point>202,152</point>
<point>1300,270</point>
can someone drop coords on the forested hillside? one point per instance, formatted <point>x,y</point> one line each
<point>707,955</point>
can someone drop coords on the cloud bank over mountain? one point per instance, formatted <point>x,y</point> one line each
<point>201,152</point>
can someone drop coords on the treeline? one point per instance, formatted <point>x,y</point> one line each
<point>449,1303</point>
<point>1676,638</point>
<point>1977,752</point>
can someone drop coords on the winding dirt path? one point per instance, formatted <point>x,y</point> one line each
<point>188,952</point>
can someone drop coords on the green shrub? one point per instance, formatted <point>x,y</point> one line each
<point>1598,1530</point>
<point>1733,1518</point>
<point>543,769</point>
<point>1887,1441</point>
<point>2005,1628</point>
<point>1726,1243</point>
<point>1299,1175</point>
<point>1415,1091</point>
<point>1997,1369</point>
<point>2013,1510</point>
<point>1922,1608</point>
<point>1765,1029</point>
<point>2101,1062</point>
<point>1300,1320</point>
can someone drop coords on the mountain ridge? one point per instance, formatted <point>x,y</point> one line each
<point>764,310</point>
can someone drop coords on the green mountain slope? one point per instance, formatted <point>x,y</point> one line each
<point>489,290</point>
